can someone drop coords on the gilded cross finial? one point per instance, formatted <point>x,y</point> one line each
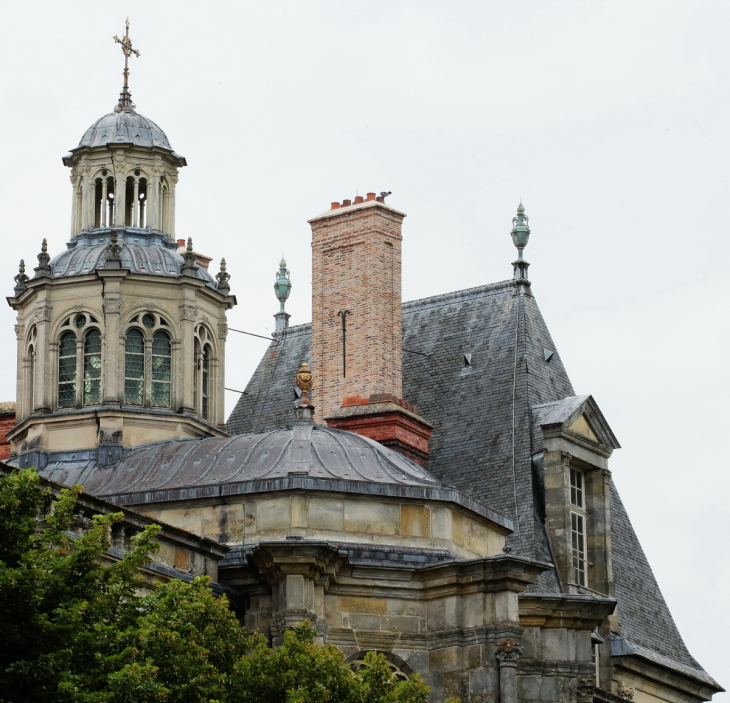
<point>125,97</point>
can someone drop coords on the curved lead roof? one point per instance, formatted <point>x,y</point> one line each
<point>124,127</point>
<point>310,450</point>
<point>142,252</point>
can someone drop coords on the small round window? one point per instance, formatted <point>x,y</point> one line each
<point>80,321</point>
<point>148,320</point>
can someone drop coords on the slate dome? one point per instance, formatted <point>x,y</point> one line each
<point>142,252</point>
<point>124,127</point>
<point>305,450</point>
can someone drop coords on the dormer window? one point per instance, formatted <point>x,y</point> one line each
<point>578,525</point>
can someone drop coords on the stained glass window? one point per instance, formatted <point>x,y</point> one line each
<point>161,367</point>
<point>206,376</point>
<point>92,367</point>
<point>67,370</point>
<point>134,367</point>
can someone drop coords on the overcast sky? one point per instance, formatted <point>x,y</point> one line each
<point>609,119</point>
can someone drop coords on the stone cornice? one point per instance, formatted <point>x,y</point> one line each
<point>577,612</point>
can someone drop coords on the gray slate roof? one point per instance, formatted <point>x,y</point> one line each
<point>306,449</point>
<point>142,252</point>
<point>124,127</point>
<point>474,409</point>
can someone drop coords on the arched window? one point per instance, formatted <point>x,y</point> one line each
<point>161,367</point>
<point>67,370</point>
<point>148,362</point>
<point>134,367</point>
<point>31,378</point>
<point>205,376</point>
<point>92,367</point>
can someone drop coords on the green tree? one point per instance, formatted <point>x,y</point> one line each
<point>75,626</point>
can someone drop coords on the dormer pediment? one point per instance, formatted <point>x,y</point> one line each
<point>579,420</point>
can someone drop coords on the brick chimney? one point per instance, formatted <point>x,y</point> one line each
<point>357,325</point>
<point>7,422</point>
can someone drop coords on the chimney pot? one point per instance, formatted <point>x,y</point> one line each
<point>346,203</point>
<point>380,199</point>
<point>371,196</point>
<point>335,206</point>
<point>180,242</point>
<point>358,199</point>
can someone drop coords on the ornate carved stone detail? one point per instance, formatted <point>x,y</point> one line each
<point>21,279</point>
<point>566,458</point>
<point>19,332</point>
<point>625,691</point>
<point>222,330</point>
<point>586,687</point>
<point>188,312</point>
<point>150,306</point>
<point>508,652</point>
<point>112,306</point>
<point>107,438</point>
<point>78,308</point>
<point>42,314</point>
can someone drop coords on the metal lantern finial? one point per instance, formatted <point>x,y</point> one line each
<point>520,230</point>
<point>282,287</point>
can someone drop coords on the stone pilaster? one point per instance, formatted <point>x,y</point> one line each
<point>508,653</point>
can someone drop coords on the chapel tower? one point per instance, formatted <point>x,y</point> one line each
<point>121,340</point>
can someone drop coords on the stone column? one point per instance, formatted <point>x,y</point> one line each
<point>153,202</point>
<point>22,408</point>
<point>87,206</point>
<point>120,196</point>
<point>188,313</point>
<point>103,206</point>
<point>220,376</point>
<point>113,376</point>
<point>176,389</point>
<point>508,652</point>
<point>135,204</point>
<point>171,208</point>
<point>46,360</point>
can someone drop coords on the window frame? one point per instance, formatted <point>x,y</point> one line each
<point>149,326</point>
<point>578,527</point>
<point>77,327</point>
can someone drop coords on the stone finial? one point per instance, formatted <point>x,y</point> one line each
<point>21,280</point>
<point>113,253</point>
<point>189,268</point>
<point>43,268</point>
<point>223,277</point>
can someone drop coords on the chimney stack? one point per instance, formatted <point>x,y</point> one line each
<point>357,325</point>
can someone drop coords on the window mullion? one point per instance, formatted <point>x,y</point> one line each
<point>147,371</point>
<point>79,372</point>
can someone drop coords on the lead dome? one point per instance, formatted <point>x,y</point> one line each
<point>125,127</point>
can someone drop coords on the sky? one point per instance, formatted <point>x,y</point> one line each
<point>608,119</point>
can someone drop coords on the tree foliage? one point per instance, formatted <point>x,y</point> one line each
<point>75,626</point>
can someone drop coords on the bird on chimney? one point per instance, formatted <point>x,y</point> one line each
<point>385,194</point>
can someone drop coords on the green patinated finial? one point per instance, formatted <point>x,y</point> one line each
<point>282,287</point>
<point>520,230</point>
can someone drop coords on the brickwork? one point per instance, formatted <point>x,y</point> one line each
<point>356,267</point>
<point>7,422</point>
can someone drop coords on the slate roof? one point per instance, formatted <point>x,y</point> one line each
<point>319,452</point>
<point>487,439</point>
<point>149,253</point>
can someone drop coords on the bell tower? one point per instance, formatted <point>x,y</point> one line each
<point>121,339</point>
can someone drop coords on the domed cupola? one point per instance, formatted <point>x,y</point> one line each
<point>121,337</point>
<point>124,170</point>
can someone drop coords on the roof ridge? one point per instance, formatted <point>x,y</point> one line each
<point>446,298</point>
